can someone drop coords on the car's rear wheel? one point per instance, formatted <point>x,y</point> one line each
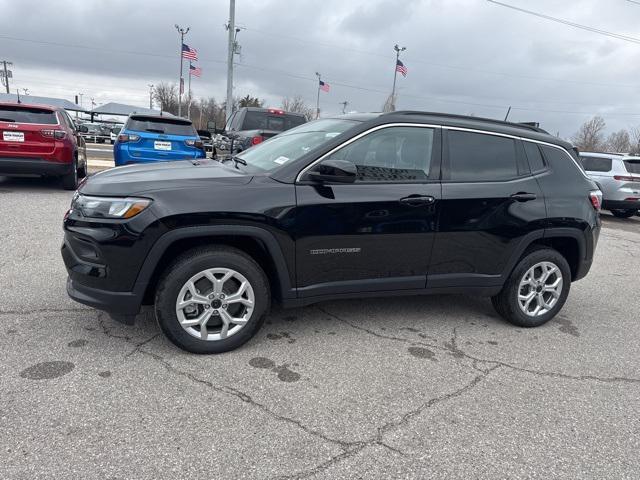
<point>212,300</point>
<point>70,180</point>
<point>623,213</point>
<point>536,290</point>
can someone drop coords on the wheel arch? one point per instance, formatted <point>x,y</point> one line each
<point>256,242</point>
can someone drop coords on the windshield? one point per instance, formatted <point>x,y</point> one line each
<point>27,115</point>
<point>293,144</point>
<point>165,126</point>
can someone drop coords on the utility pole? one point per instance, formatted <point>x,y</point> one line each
<point>231,27</point>
<point>7,72</point>
<point>318,98</point>
<point>189,93</point>
<point>151,95</point>
<point>182,33</point>
<point>395,72</point>
<point>344,106</point>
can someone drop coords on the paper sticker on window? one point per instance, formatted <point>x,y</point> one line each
<point>281,160</point>
<point>331,134</point>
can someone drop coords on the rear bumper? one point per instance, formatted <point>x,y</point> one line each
<point>124,156</point>
<point>33,166</point>
<point>621,205</point>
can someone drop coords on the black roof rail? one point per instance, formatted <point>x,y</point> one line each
<point>524,126</point>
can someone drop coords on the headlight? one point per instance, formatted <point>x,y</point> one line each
<point>109,207</point>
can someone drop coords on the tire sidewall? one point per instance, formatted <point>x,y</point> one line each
<point>186,267</point>
<point>513,312</point>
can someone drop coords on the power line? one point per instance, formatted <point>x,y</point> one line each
<point>606,33</point>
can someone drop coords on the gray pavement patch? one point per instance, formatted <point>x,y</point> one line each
<point>77,343</point>
<point>47,370</point>
<point>421,352</point>
<point>262,362</point>
<point>566,326</point>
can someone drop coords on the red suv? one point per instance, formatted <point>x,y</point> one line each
<point>41,140</point>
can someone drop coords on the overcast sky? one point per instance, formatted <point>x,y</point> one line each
<point>463,56</point>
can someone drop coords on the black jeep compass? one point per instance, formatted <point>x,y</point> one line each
<point>361,205</point>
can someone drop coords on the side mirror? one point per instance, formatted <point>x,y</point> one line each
<point>333,171</point>
<point>82,129</point>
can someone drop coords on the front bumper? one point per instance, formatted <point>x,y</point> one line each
<point>119,305</point>
<point>33,166</point>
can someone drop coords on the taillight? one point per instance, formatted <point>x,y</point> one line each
<point>625,178</point>
<point>57,134</point>
<point>596,199</point>
<point>256,140</point>
<point>126,137</point>
<point>194,143</point>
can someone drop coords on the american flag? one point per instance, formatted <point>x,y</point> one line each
<point>196,71</point>
<point>401,68</point>
<point>324,86</point>
<point>188,52</point>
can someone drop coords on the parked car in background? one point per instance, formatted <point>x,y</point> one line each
<point>249,126</point>
<point>157,138</point>
<point>368,205</point>
<point>41,140</point>
<point>96,133</point>
<point>207,140</point>
<point>619,178</point>
<point>113,134</point>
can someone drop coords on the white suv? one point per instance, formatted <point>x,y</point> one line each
<point>619,178</point>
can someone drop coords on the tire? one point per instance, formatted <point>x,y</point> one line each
<point>192,264</point>
<point>623,213</point>
<point>70,180</point>
<point>82,171</point>
<point>507,303</point>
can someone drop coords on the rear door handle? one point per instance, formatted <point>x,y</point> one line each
<point>524,197</point>
<point>417,200</point>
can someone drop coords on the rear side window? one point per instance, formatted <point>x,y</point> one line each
<point>633,166</point>
<point>267,121</point>
<point>476,157</point>
<point>596,164</point>
<point>27,115</point>
<point>536,162</point>
<point>166,127</point>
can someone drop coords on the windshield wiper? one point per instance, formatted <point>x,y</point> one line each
<point>237,160</point>
<point>7,119</point>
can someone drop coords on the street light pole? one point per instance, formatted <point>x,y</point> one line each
<point>182,33</point>
<point>231,27</point>
<point>395,72</point>
<point>150,96</point>
<point>344,106</point>
<point>6,74</point>
<point>189,93</point>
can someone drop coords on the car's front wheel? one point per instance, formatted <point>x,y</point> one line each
<point>623,213</point>
<point>212,299</point>
<point>536,290</point>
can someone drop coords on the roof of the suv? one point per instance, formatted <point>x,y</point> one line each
<point>267,110</point>
<point>163,118</point>
<point>621,156</point>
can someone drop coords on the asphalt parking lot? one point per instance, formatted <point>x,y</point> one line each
<point>420,387</point>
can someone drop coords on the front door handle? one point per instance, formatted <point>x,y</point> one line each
<point>417,200</point>
<point>524,196</point>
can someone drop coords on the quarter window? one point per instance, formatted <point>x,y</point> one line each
<point>596,164</point>
<point>536,162</point>
<point>394,154</point>
<point>477,157</point>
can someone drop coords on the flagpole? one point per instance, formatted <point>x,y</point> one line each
<point>189,93</point>
<point>318,99</point>
<point>182,33</point>
<point>395,73</point>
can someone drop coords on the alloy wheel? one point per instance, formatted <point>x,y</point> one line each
<point>215,304</point>
<point>540,289</point>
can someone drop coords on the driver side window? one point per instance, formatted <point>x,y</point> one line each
<point>394,154</point>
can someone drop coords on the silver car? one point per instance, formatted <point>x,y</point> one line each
<point>619,178</point>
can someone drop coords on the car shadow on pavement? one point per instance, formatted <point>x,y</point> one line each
<point>11,184</point>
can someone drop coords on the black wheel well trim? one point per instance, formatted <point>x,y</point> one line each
<point>166,240</point>
<point>548,233</point>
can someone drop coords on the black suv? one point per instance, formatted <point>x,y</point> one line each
<point>362,205</point>
<point>249,126</point>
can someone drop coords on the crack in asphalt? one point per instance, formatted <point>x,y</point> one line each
<point>453,349</point>
<point>45,310</point>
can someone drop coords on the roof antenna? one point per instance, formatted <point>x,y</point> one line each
<point>18,92</point>
<point>507,115</point>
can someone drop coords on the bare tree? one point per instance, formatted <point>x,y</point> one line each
<point>590,136</point>
<point>619,142</point>
<point>298,105</point>
<point>634,143</point>
<point>389,104</point>
<point>166,95</point>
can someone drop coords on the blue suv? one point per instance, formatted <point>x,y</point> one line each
<point>152,138</point>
